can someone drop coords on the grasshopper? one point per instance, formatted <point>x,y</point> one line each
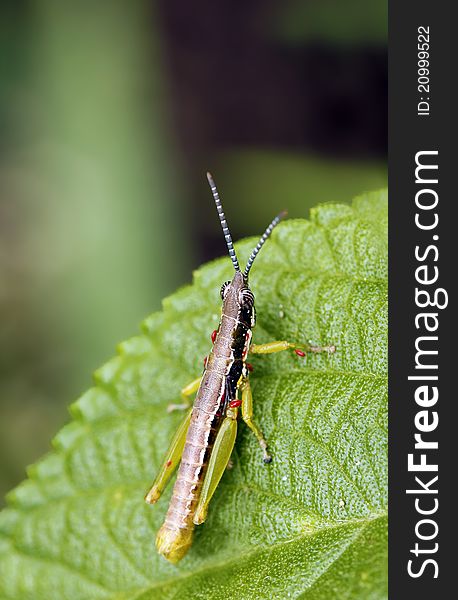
<point>203,443</point>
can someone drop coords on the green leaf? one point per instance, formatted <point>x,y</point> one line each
<point>312,524</point>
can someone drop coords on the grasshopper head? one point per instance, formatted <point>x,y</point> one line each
<point>238,299</point>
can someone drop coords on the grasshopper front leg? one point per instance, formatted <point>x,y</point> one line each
<point>172,458</point>
<point>280,346</point>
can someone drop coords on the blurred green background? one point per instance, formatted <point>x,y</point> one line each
<point>110,115</point>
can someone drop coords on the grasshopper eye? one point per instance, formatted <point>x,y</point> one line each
<point>224,287</point>
<point>247,297</point>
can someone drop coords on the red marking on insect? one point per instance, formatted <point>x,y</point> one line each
<point>249,366</point>
<point>168,463</point>
<point>235,403</point>
<point>214,336</point>
<point>205,361</point>
<point>299,352</point>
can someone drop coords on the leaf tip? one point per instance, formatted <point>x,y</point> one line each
<point>26,495</point>
<point>106,373</point>
<point>68,435</point>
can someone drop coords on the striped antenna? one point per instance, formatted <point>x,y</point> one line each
<point>222,218</point>
<point>261,242</point>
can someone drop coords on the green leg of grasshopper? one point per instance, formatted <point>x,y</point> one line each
<point>247,398</point>
<point>219,458</point>
<point>280,346</point>
<point>172,458</point>
<point>247,416</point>
<point>185,393</point>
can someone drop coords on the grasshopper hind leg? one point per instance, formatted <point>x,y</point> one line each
<point>219,459</point>
<point>172,458</point>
